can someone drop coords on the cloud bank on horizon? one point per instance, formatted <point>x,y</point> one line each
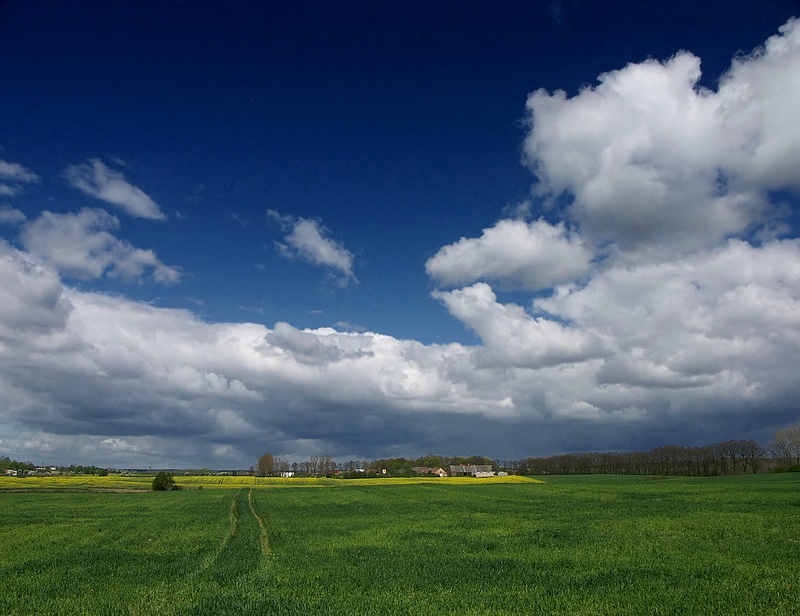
<point>662,280</point>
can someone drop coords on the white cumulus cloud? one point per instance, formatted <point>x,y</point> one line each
<point>512,337</point>
<point>515,254</point>
<point>653,162</point>
<point>82,246</point>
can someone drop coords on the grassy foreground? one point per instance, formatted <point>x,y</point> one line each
<point>571,545</point>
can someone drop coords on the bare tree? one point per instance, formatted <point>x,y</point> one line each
<point>313,465</point>
<point>326,465</point>
<point>785,445</point>
<point>266,464</point>
<point>282,465</point>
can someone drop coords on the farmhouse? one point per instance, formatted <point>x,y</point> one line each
<point>11,472</point>
<point>471,470</point>
<point>429,470</point>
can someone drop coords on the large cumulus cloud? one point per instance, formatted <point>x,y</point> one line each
<point>652,162</point>
<point>676,286</point>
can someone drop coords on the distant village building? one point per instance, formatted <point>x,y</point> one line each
<point>11,472</point>
<point>471,470</point>
<point>429,470</point>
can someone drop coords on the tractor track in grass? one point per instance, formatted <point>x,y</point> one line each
<point>262,526</point>
<point>172,597</point>
<point>234,528</point>
<point>218,566</point>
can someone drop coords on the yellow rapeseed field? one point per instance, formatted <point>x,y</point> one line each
<point>77,482</point>
<point>143,482</point>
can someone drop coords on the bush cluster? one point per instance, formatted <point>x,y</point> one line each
<point>164,481</point>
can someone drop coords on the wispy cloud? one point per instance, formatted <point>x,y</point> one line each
<point>557,12</point>
<point>16,172</point>
<point>240,220</point>
<point>12,176</point>
<point>97,180</point>
<point>309,241</point>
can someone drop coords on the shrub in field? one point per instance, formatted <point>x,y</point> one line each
<point>164,481</point>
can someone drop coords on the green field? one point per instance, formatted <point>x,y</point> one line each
<point>570,545</point>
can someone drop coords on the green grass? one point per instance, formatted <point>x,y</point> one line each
<point>572,545</point>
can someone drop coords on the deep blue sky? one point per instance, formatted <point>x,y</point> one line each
<point>398,126</point>
<point>391,130</point>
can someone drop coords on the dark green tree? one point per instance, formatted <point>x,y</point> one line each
<point>164,481</point>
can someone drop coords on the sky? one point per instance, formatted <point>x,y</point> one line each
<point>382,229</point>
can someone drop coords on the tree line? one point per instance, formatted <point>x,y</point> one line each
<point>268,465</point>
<point>733,456</point>
<point>724,458</point>
<point>324,465</point>
<point>7,463</point>
<point>729,457</point>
